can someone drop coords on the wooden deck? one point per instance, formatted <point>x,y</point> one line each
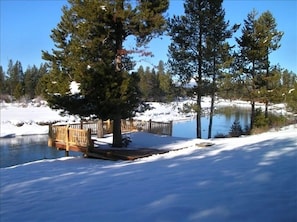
<point>79,140</point>
<point>122,154</point>
<point>75,148</point>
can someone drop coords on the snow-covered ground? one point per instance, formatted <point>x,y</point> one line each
<point>238,179</point>
<point>250,178</point>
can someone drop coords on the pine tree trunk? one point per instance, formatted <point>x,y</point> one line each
<point>213,90</point>
<point>199,93</point>
<point>117,131</point>
<point>266,109</point>
<point>267,86</point>
<point>198,117</point>
<point>211,115</point>
<point>252,115</point>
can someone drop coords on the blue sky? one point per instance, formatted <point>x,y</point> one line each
<point>26,27</point>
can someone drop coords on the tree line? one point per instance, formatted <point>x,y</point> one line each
<point>89,50</point>
<point>155,84</point>
<point>17,84</point>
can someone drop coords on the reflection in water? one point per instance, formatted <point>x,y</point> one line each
<point>25,149</point>
<point>222,122</point>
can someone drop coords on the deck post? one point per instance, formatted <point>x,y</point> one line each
<point>89,138</point>
<point>150,126</point>
<point>171,127</point>
<point>90,143</point>
<point>50,140</point>
<point>67,141</point>
<point>100,132</point>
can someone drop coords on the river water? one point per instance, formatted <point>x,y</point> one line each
<point>25,149</point>
<point>221,124</point>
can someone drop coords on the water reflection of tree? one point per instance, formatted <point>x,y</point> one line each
<point>232,113</point>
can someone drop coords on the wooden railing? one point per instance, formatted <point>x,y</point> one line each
<point>69,139</point>
<point>100,129</point>
<point>74,137</point>
<point>161,128</point>
<point>79,137</point>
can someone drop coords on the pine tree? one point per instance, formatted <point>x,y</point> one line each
<point>197,47</point>
<point>89,50</point>
<point>42,73</point>
<point>249,60</point>
<point>31,78</point>
<point>165,83</point>
<point>266,25</point>
<point>15,79</point>
<point>2,81</point>
<point>255,43</point>
<point>217,49</point>
<point>187,49</point>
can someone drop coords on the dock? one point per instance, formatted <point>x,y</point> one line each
<point>74,137</point>
<point>123,154</point>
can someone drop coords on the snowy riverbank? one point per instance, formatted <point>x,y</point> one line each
<point>19,119</point>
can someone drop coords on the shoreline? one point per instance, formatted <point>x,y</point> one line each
<point>19,120</point>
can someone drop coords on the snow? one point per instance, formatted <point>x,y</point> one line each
<point>28,119</point>
<point>252,178</point>
<point>74,87</point>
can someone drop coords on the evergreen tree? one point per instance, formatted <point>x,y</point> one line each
<point>198,46</point>
<point>187,50</point>
<point>288,79</point>
<point>266,25</point>
<point>31,78</point>
<point>249,62</point>
<point>2,81</point>
<point>143,86</point>
<point>89,50</point>
<point>257,40</point>
<point>15,79</point>
<point>217,49</point>
<point>42,73</point>
<point>272,92</point>
<point>165,83</point>
<point>155,84</point>
<point>291,98</point>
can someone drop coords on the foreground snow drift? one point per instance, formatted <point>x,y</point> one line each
<point>237,179</point>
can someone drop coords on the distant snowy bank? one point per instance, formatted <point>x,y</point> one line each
<point>31,119</point>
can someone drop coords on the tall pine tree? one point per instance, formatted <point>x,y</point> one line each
<point>186,52</point>
<point>266,25</point>
<point>89,50</point>
<point>259,38</point>
<point>218,57</point>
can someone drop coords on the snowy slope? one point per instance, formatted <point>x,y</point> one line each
<point>238,179</point>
